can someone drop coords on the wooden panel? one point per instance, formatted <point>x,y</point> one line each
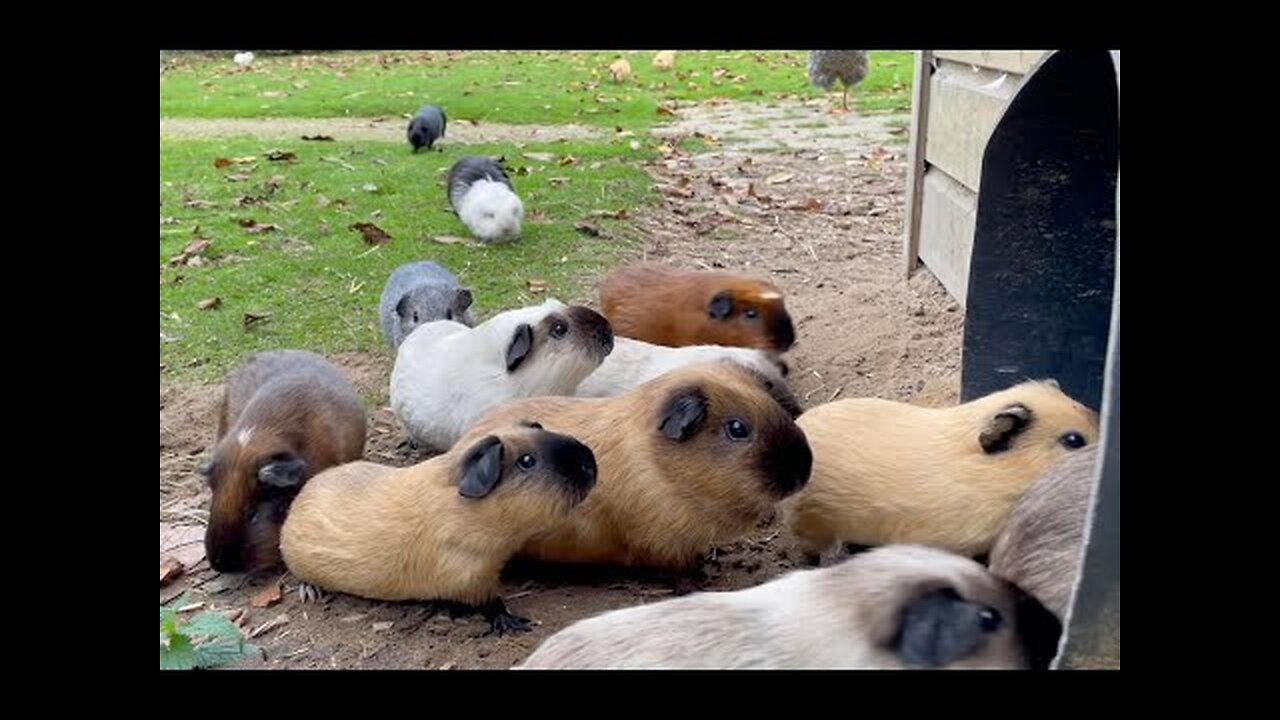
<point>964,108</point>
<point>915,159</point>
<point>947,220</point>
<point>1014,61</point>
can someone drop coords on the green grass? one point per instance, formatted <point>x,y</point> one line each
<point>319,279</point>
<point>507,87</point>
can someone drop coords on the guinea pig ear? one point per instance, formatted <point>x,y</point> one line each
<point>1004,427</point>
<point>683,414</point>
<point>286,472</point>
<point>462,300</point>
<point>941,627</point>
<point>206,468</point>
<point>481,468</point>
<point>1052,382</point>
<point>721,305</point>
<point>521,344</point>
<point>402,307</point>
<point>532,424</point>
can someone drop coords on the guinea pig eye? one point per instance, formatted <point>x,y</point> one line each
<point>489,215</point>
<point>989,620</point>
<point>751,314</point>
<point>527,461</point>
<point>737,429</point>
<point>1072,441</point>
<point>559,329</point>
<point>415,317</point>
<point>448,315</point>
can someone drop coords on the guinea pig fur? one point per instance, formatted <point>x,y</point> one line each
<point>447,375</point>
<point>1041,546</point>
<point>634,362</point>
<point>442,529</point>
<point>893,608</point>
<point>659,304</point>
<point>284,416</point>
<point>420,292</point>
<point>697,457</point>
<point>426,127</point>
<point>888,472</point>
<point>484,198</point>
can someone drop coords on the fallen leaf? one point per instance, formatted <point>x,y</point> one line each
<point>538,286</point>
<point>666,149</point>
<point>540,157</point>
<point>620,69</point>
<point>269,596</point>
<point>587,229</point>
<point>448,666</point>
<point>226,162</point>
<point>200,204</point>
<point>568,160</point>
<point>318,138</point>
<point>251,319</point>
<point>808,205</point>
<point>381,626</point>
<point>620,214</point>
<point>539,217</point>
<point>780,178</point>
<point>372,234</point>
<point>253,226</point>
<point>338,161</point>
<point>281,156</point>
<point>275,94</point>
<point>170,568</point>
<point>212,303</point>
<point>369,187</point>
<point>184,543</point>
<point>664,110</point>
<point>269,625</point>
<point>451,240</point>
<point>237,177</point>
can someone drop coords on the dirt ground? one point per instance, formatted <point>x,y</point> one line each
<point>810,199</point>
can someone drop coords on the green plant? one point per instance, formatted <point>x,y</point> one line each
<point>205,641</point>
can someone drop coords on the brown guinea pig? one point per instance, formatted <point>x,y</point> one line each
<point>888,472</point>
<point>442,529</point>
<point>896,607</point>
<point>661,305</point>
<point>284,416</point>
<point>693,458</point>
<point>1041,546</point>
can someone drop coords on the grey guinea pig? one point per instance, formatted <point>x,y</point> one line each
<point>417,293</point>
<point>426,127</point>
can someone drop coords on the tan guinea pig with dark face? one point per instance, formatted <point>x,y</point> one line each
<point>1041,546</point>
<point>442,529</point>
<point>696,457</point>
<point>285,415</point>
<point>888,472</point>
<point>661,305</point>
<point>897,607</point>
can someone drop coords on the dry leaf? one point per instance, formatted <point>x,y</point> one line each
<point>318,138</point>
<point>170,568</point>
<point>666,149</point>
<point>539,217</point>
<point>587,229</point>
<point>237,177</point>
<point>780,178</point>
<point>253,226</point>
<point>568,160</point>
<point>281,156</point>
<point>538,286</point>
<point>808,205</point>
<point>381,626</point>
<point>620,69</point>
<point>664,60</point>
<point>212,303</point>
<point>269,625</point>
<point>251,319</point>
<point>184,543</point>
<point>620,214</point>
<point>372,234</point>
<point>269,596</point>
<point>664,110</point>
<point>275,94</point>
<point>451,240</point>
<point>369,187</point>
<point>200,204</point>
<point>540,157</point>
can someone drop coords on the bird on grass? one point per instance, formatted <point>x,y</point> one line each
<point>847,66</point>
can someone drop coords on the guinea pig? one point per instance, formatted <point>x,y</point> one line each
<point>659,304</point>
<point>485,200</point>
<point>426,127</point>
<point>888,472</point>
<point>285,415</point>
<point>447,375</point>
<point>894,608</point>
<point>696,457</point>
<point>442,529</point>
<point>635,362</point>
<point>420,292</point>
<point>1041,546</point>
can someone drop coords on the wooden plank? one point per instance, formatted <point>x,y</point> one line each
<point>1014,61</point>
<point>915,159</point>
<point>964,109</point>
<point>949,216</point>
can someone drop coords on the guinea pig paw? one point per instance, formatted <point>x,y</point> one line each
<point>308,593</point>
<point>504,622</point>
